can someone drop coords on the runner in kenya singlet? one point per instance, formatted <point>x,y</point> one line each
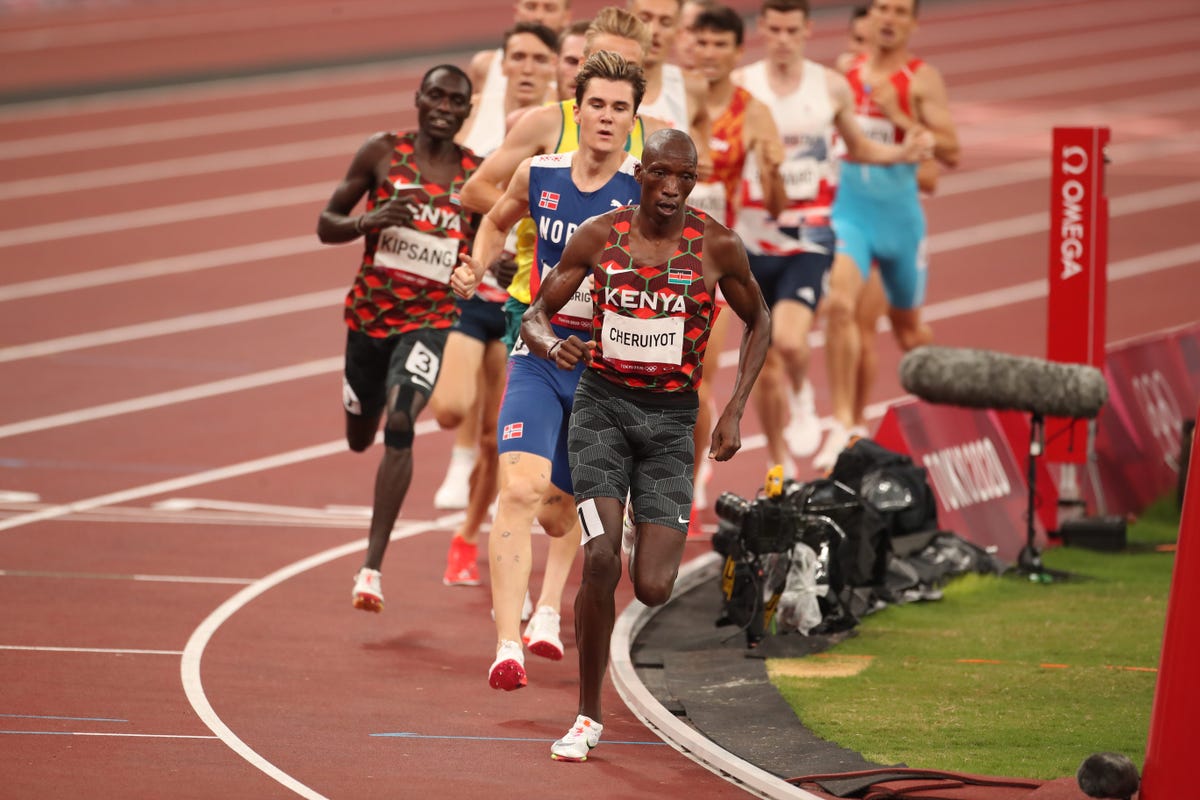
<point>403,282</point>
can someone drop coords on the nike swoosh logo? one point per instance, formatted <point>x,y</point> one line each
<point>683,520</point>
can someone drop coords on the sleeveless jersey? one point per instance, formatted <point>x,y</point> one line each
<point>881,180</point>
<point>809,169</point>
<point>568,141</point>
<point>671,106</point>
<point>557,208</point>
<point>487,129</point>
<point>403,282</point>
<point>651,322</point>
<point>728,149</point>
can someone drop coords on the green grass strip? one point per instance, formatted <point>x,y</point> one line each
<point>1005,676</point>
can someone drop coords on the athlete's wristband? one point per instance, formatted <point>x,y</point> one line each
<point>358,224</point>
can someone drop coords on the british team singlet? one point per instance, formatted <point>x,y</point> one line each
<point>403,283</point>
<point>651,322</point>
<point>568,141</point>
<point>557,207</point>
<point>880,181</point>
<point>809,169</point>
<point>728,150</point>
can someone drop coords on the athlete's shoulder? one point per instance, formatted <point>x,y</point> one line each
<point>553,160</point>
<point>629,165</point>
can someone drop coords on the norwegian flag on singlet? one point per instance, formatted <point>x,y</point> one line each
<point>514,430</point>
<point>549,200</point>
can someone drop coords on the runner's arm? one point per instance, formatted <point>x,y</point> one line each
<point>335,226</point>
<point>527,138</point>
<point>578,260</point>
<point>742,293</point>
<point>860,147</point>
<point>493,229</point>
<point>933,110</point>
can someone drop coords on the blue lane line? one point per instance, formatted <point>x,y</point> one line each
<point>410,735</point>
<point>76,719</point>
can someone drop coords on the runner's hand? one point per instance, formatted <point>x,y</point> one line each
<point>389,214</point>
<point>571,352</point>
<point>465,277</point>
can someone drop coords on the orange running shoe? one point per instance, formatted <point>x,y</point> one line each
<point>461,569</point>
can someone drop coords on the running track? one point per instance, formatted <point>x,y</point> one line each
<point>179,518</point>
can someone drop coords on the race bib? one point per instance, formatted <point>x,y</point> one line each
<point>877,128</point>
<point>415,253</point>
<point>577,312</point>
<point>801,178</point>
<point>642,341</point>
<point>709,198</point>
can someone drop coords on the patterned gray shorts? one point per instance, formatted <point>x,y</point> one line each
<point>621,444</point>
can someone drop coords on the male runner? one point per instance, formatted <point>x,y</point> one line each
<point>400,307</point>
<point>655,268</point>
<point>560,191</point>
<point>877,213</point>
<point>791,252</point>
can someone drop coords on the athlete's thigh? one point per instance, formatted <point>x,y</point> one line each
<point>413,369</point>
<point>530,412</point>
<point>904,264</point>
<point>600,455</point>
<point>664,456</point>
<point>458,380</point>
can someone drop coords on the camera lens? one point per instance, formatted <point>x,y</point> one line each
<point>732,508</point>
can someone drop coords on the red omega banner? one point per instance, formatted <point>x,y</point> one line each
<point>1078,273</point>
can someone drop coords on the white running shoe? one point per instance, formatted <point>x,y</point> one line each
<point>578,742</point>
<point>541,634</point>
<point>508,670</point>
<point>526,609</point>
<point>803,432</point>
<point>368,590</point>
<point>454,493</point>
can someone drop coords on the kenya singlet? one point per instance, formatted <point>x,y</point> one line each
<point>404,281</point>
<point>651,322</point>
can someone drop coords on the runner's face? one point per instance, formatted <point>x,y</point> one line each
<point>443,103</point>
<point>667,176</point>
<point>785,33</point>
<point>570,59</point>
<point>529,67</point>
<point>554,14</point>
<point>717,53</point>
<point>892,23</point>
<point>605,117</point>
<point>627,49</point>
<point>661,17</point>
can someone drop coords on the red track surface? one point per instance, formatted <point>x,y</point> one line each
<point>137,227</point>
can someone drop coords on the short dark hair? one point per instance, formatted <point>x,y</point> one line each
<point>453,70</point>
<point>721,18</point>
<point>786,6</point>
<point>577,28</point>
<point>545,35</point>
<point>609,66</point>
<point>858,12</point>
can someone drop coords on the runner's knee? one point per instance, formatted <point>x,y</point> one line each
<point>398,432</point>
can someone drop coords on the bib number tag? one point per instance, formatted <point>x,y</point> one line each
<point>801,178</point>
<point>881,130</point>
<point>645,342</point>
<point>415,253</point>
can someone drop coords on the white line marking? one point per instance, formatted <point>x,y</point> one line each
<point>192,503</point>
<point>106,650</point>
<point>92,733</point>
<point>194,650</point>
<point>307,369</point>
<point>326,299</point>
<point>99,576</point>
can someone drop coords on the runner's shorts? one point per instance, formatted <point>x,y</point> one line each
<point>629,441</point>
<point>481,319</point>
<point>375,365</point>
<point>533,414</point>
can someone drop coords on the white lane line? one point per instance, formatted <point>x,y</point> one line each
<point>104,650</point>
<point>327,299</point>
<point>169,169</point>
<point>194,649</point>
<point>228,205</point>
<point>92,733</point>
<point>196,479</point>
<point>307,369</point>
<point>154,268</point>
<point>100,576</point>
